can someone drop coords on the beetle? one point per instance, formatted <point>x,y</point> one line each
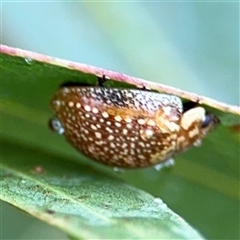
<point>127,128</point>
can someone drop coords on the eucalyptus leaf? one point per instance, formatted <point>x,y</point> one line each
<point>84,202</point>
<point>43,176</point>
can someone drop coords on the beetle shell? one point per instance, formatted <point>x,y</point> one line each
<point>127,128</point>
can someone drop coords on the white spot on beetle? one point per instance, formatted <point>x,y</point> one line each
<point>141,121</point>
<point>118,118</point>
<point>125,131</point>
<point>98,135</point>
<point>87,108</point>
<point>70,104</point>
<point>110,137</point>
<point>95,110</point>
<point>105,114</point>
<point>78,105</point>
<point>93,127</point>
<point>117,124</point>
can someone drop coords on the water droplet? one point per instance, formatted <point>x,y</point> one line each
<point>29,61</point>
<point>167,164</point>
<point>23,181</point>
<point>56,125</point>
<point>164,206</point>
<point>158,167</point>
<point>197,143</point>
<point>118,170</point>
<point>158,200</point>
<point>160,203</point>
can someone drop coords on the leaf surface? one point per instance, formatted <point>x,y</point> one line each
<point>39,176</point>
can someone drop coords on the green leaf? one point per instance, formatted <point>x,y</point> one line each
<point>84,202</point>
<point>39,176</point>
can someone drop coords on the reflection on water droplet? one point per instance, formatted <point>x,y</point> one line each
<point>56,125</point>
<point>28,61</point>
<point>167,164</point>
<point>118,170</point>
<point>23,181</point>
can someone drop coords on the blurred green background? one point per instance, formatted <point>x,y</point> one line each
<point>190,45</point>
